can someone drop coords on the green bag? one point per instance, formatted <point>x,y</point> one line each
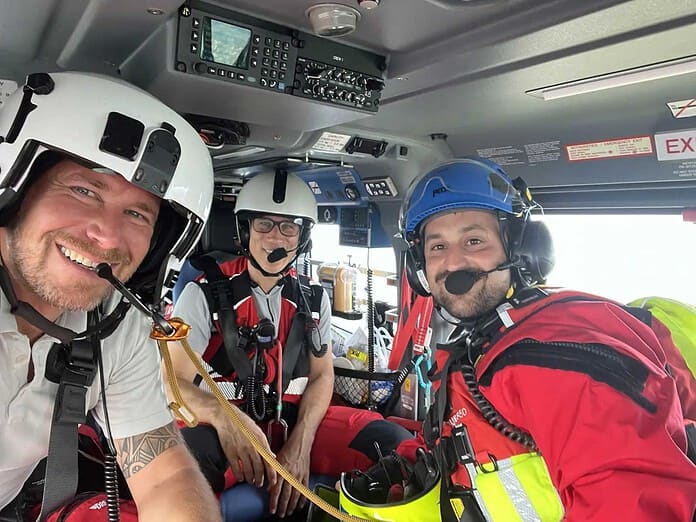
<point>680,320</point>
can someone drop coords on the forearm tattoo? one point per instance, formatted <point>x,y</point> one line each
<point>134,453</point>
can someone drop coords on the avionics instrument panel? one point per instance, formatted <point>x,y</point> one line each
<point>233,47</point>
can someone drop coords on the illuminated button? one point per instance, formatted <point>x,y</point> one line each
<point>211,70</point>
<point>257,39</point>
<point>268,40</point>
<point>266,61</point>
<point>283,66</point>
<point>254,62</point>
<point>254,51</point>
<point>194,36</point>
<point>241,76</point>
<point>274,64</point>
<point>194,48</point>
<point>221,72</point>
<point>266,51</point>
<point>286,45</point>
<point>263,82</point>
<point>276,53</point>
<point>230,74</point>
<point>273,84</point>
<point>281,76</point>
<point>284,55</point>
<point>274,74</point>
<point>276,44</point>
<point>195,23</point>
<point>264,72</point>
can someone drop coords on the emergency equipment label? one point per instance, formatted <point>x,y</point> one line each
<point>679,145</point>
<point>331,142</point>
<point>615,148</point>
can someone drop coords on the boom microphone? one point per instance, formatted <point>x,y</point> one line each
<point>276,255</point>
<point>461,281</point>
<point>279,253</point>
<point>103,270</point>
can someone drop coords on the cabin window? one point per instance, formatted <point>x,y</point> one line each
<point>624,257</point>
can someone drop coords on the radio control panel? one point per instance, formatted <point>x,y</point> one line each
<point>335,84</point>
<point>235,51</point>
<point>233,47</point>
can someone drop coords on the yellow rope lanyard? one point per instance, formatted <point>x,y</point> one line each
<point>182,411</point>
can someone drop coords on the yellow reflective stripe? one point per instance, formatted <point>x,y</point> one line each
<point>521,490</point>
<point>532,472</point>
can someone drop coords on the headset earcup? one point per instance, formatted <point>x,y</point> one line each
<point>243,232</point>
<point>535,252</point>
<point>415,271</point>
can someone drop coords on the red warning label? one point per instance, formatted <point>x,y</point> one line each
<point>614,148</point>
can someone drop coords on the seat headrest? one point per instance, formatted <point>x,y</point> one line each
<point>220,233</point>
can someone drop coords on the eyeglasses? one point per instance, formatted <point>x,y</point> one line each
<point>264,225</point>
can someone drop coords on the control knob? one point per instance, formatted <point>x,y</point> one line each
<point>201,67</point>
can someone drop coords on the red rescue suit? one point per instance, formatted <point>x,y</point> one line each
<point>587,381</point>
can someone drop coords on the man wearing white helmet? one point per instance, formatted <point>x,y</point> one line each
<point>265,333</point>
<point>93,172</point>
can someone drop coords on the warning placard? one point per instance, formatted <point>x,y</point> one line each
<point>331,142</point>
<point>683,108</point>
<point>614,148</point>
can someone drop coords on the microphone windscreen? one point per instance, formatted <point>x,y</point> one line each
<point>277,255</point>
<point>461,281</point>
<point>103,270</point>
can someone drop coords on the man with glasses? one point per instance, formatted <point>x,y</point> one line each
<point>266,332</point>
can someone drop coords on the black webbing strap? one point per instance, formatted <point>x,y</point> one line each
<point>220,297</point>
<point>297,336</point>
<point>29,313</point>
<point>79,361</point>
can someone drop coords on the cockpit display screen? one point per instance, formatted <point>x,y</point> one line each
<point>225,44</point>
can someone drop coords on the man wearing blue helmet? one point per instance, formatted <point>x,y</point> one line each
<point>551,406</point>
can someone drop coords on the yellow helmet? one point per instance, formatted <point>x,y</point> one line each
<point>369,495</point>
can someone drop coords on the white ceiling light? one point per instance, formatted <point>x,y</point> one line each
<point>333,19</point>
<point>618,79</point>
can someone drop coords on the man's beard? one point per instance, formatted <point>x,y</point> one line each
<point>484,296</point>
<point>30,267</point>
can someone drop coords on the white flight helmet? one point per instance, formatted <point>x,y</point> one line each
<point>110,124</point>
<point>280,193</point>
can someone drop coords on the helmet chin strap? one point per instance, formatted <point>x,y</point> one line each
<point>31,315</point>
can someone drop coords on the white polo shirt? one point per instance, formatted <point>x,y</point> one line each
<point>134,392</point>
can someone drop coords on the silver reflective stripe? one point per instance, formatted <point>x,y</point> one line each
<point>517,494</point>
<point>471,471</point>
<point>232,392</point>
<point>297,386</point>
<point>504,315</point>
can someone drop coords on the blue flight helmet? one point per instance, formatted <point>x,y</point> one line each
<point>477,183</point>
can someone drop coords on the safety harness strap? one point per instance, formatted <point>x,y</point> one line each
<point>220,297</point>
<point>79,367</point>
<point>222,293</point>
<point>300,327</point>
